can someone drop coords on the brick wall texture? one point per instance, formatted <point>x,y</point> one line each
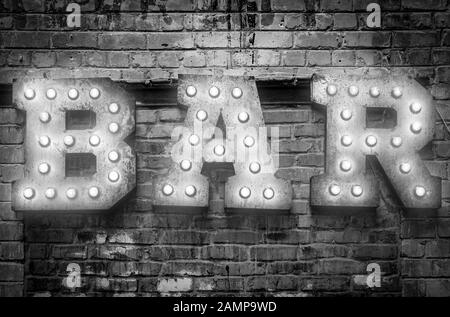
<point>133,251</point>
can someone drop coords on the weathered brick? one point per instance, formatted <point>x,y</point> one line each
<point>43,59</point>
<point>11,272</point>
<point>293,58</point>
<point>412,249</point>
<point>317,40</point>
<point>366,39</point>
<point>418,229</point>
<point>170,40</point>
<point>272,39</point>
<point>74,40</point>
<point>122,40</point>
<point>437,249</point>
<point>345,21</point>
<point>413,39</point>
<point>318,58</point>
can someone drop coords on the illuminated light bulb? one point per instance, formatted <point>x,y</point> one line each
<point>44,117</point>
<point>51,93</point>
<point>202,115</point>
<point>374,92</point>
<point>113,156</point>
<point>113,176</point>
<point>219,150</point>
<point>396,141</point>
<point>94,140</point>
<point>415,107</point>
<point>71,193</point>
<point>94,192</point>
<point>194,139</point>
<point>29,93</point>
<point>245,192</point>
<point>69,140</point>
<point>167,190</point>
<point>73,93</point>
<point>416,127</point>
<point>28,193</point>
<point>396,92</point>
<point>44,141</point>
<point>420,191</point>
<point>357,190</point>
<point>191,91</point>
<point>334,190</point>
<point>346,114</point>
<point>405,168</point>
<point>190,191</point>
<point>236,92</point>
<point>346,140</point>
<point>185,165</point>
<point>268,193</point>
<point>255,167</point>
<point>113,108</point>
<point>371,140</point>
<point>44,168</point>
<point>50,193</point>
<point>353,91</point>
<point>113,127</point>
<point>243,117</point>
<point>331,90</point>
<point>94,93</point>
<point>249,141</point>
<point>345,165</point>
<point>214,92</point>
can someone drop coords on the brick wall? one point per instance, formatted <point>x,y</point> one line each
<point>132,250</point>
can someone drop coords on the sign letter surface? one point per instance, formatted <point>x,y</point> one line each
<point>346,181</point>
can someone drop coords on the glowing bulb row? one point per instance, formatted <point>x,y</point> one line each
<point>268,193</point>
<point>51,94</point>
<point>346,140</point>
<point>50,193</point>
<point>244,192</point>
<point>357,190</point>
<point>373,91</point>
<point>195,140</point>
<point>214,92</point>
<point>202,115</point>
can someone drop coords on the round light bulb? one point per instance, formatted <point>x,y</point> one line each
<point>219,150</point>
<point>44,141</point>
<point>113,156</point>
<point>94,140</point>
<point>345,165</point>
<point>194,139</point>
<point>113,127</point>
<point>71,193</point>
<point>29,93</point>
<point>415,107</point>
<point>396,141</point>
<point>353,91</point>
<point>28,193</point>
<point>167,190</point>
<point>416,127</point>
<point>243,117</point>
<point>185,165</point>
<point>50,193</point>
<point>44,168</point>
<point>44,117</point>
<point>113,108</point>
<point>202,115</point>
<point>331,90</point>
<point>190,190</point>
<point>268,193</point>
<point>357,190</point>
<point>371,140</point>
<point>245,192</point>
<point>420,191</point>
<point>94,192</point>
<point>405,168</point>
<point>69,140</point>
<point>113,176</point>
<point>191,91</point>
<point>51,93</point>
<point>236,92</point>
<point>214,92</point>
<point>249,141</point>
<point>255,167</point>
<point>334,190</point>
<point>374,92</point>
<point>94,93</point>
<point>396,92</point>
<point>346,114</point>
<point>346,140</point>
<point>73,93</point>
